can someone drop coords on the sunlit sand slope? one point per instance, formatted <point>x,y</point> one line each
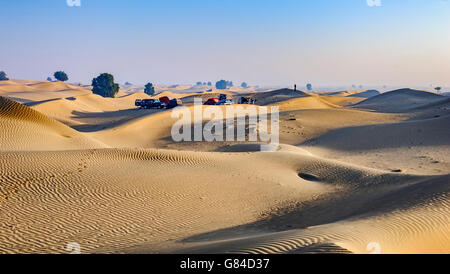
<point>33,91</point>
<point>79,168</point>
<point>113,200</point>
<point>23,128</point>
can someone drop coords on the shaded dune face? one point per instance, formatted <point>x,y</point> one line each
<point>377,229</point>
<point>96,171</point>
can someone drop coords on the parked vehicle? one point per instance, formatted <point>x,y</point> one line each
<point>137,102</point>
<point>243,100</point>
<point>151,103</point>
<point>165,99</point>
<point>222,97</point>
<point>212,101</point>
<point>246,100</point>
<point>225,102</point>
<point>174,103</point>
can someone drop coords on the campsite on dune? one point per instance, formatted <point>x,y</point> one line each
<point>352,168</point>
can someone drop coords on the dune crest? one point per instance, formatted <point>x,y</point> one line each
<point>26,129</point>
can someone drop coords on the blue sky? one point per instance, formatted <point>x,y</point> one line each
<point>266,42</point>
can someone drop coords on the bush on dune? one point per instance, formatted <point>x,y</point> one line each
<point>104,85</point>
<point>222,84</point>
<point>149,89</point>
<point>3,76</point>
<point>61,76</point>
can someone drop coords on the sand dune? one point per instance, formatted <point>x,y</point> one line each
<point>345,93</point>
<point>77,167</point>
<point>315,102</point>
<point>144,200</point>
<point>24,129</point>
<point>298,126</point>
<point>397,226</point>
<point>310,102</point>
<point>365,94</point>
<point>53,86</point>
<point>442,104</point>
<point>432,132</point>
<point>399,100</point>
<point>158,205</point>
<point>29,92</point>
<point>270,97</point>
<point>11,86</point>
<point>142,132</point>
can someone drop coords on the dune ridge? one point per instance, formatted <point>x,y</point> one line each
<point>26,129</point>
<point>399,100</point>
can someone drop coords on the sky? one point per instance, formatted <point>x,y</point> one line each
<point>261,42</point>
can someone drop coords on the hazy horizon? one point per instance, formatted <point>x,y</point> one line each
<point>268,43</point>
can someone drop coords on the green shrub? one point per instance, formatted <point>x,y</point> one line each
<point>61,76</point>
<point>104,85</point>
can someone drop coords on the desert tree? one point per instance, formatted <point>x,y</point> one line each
<point>3,76</point>
<point>229,83</point>
<point>198,83</point>
<point>104,85</point>
<point>438,89</point>
<point>209,84</point>
<point>244,85</point>
<point>149,89</point>
<point>61,76</point>
<point>222,84</point>
<point>309,86</point>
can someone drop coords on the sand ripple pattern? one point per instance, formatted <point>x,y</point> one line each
<point>110,199</point>
<point>24,129</point>
<point>412,219</point>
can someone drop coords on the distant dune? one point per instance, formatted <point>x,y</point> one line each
<point>399,100</point>
<point>275,96</point>
<point>366,94</point>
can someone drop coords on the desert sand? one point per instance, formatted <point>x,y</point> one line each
<point>352,175</point>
